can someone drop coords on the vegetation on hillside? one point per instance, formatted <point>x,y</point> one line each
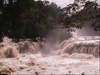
<point>21,19</point>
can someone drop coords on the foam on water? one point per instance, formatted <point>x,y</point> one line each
<point>87,45</point>
<point>74,56</point>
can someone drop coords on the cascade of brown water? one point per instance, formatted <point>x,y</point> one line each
<point>87,45</point>
<point>75,56</point>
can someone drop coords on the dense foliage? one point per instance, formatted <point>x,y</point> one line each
<point>27,18</point>
<point>81,11</point>
<point>31,19</point>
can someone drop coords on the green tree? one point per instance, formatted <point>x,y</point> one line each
<point>27,18</point>
<point>81,11</point>
<point>41,20</point>
<point>12,23</point>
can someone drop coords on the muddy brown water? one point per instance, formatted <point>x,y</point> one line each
<point>79,55</point>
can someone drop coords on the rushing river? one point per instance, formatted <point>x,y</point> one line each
<point>79,55</point>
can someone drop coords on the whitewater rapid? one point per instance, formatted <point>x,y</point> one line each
<point>78,55</point>
<point>30,64</point>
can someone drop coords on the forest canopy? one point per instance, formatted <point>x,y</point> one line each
<point>21,19</point>
<point>81,11</point>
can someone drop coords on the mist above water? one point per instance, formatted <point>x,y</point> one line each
<point>55,37</point>
<point>87,30</point>
<point>73,55</point>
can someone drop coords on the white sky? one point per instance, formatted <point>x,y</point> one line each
<point>62,3</point>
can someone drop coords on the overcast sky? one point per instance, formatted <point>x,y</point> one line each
<point>62,3</point>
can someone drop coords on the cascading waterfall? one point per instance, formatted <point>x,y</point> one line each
<point>87,45</point>
<point>77,55</point>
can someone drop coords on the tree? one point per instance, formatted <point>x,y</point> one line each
<point>27,18</point>
<point>93,12</point>
<point>11,22</point>
<point>42,19</point>
<point>81,11</point>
